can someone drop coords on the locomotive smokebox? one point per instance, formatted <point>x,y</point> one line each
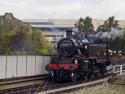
<point>69,34</point>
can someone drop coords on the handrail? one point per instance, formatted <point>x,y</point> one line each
<point>119,69</point>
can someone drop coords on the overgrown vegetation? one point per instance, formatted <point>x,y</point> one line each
<point>18,38</point>
<point>117,80</point>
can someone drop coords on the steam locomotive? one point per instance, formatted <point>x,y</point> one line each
<point>79,56</point>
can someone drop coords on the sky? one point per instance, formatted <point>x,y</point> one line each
<point>64,9</point>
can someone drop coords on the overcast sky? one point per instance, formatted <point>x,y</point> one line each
<point>64,9</point>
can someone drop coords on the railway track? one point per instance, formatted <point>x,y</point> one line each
<point>30,89</point>
<point>73,86</point>
<point>47,86</point>
<point>23,79</point>
<point>12,86</point>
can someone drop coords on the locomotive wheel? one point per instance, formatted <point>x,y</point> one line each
<point>98,75</point>
<point>92,76</point>
<point>54,78</point>
<point>89,77</point>
<point>74,76</point>
<point>95,76</point>
<point>85,78</point>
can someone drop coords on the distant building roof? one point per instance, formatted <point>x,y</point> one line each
<point>51,22</point>
<point>51,26</point>
<point>63,23</point>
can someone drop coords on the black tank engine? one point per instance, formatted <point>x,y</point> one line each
<point>79,56</point>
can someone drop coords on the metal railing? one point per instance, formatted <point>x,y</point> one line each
<point>119,69</point>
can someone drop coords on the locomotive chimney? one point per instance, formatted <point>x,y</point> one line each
<point>69,34</point>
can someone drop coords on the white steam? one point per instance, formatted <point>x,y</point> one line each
<point>111,35</point>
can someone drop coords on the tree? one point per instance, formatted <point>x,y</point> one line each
<point>5,46</point>
<point>88,25</point>
<point>85,25</point>
<point>17,37</point>
<point>119,42</point>
<point>23,42</point>
<point>108,25</point>
<point>80,24</point>
<point>43,46</point>
<point>18,41</point>
<point>31,43</point>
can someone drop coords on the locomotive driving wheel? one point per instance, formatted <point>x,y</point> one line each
<point>91,77</point>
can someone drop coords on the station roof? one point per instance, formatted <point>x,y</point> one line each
<point>51,22</point>
<point>63,23</point>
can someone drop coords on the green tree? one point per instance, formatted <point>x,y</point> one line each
<point>85,25</point>
<point>19,38</point>
<point>31,43</point>
<point>108,25</point>
<point>43,46</point>
<point>80,24</point>
<point>118,43</point>
<point>5,42</point>
<point>88,25</point>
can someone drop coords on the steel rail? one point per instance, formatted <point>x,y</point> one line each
<point>57,90</point>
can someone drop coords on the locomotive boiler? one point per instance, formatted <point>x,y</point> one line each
<point>79,56</point>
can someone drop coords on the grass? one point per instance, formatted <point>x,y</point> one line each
<point>113,87</point>
<point>105,90</point>
<point>110,89</point>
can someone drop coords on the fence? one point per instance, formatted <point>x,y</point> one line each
<point>119,69</point>
<point>22,65</point>
<point>30,65</point>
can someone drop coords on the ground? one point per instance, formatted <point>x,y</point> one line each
<point>108,89</point>
<point>114,87</point>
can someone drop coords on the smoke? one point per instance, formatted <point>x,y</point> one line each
<point>101,37</point>
<point>111,35</point>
